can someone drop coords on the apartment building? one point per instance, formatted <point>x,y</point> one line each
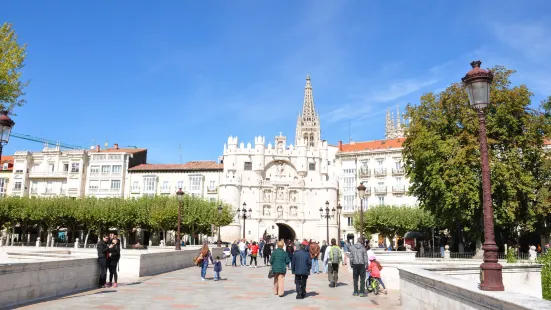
<point>6,174</point>
<point>107,170</point>
<point>196,178</point>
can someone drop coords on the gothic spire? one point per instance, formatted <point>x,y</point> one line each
<point>308,125</point>
<point>308,108</point>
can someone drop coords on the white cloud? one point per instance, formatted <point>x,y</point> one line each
<point>533,39</point>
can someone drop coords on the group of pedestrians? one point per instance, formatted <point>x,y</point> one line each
<point>109,254</point>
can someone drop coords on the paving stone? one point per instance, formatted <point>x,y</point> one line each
<point>239,288</point>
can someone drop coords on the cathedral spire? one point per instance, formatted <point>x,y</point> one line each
<point>308,126</point>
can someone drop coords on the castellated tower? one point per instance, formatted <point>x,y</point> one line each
<point>394,125</point>
<point>308,124</point>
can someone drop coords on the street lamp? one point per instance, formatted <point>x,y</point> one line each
<point>477,83</point>
<point>180,195</point>
<point>243,214</point>
<point>327,216</point>
<point>219,214</point>
<point>6,124</point>
<point>339,210</point>
<point>361,193</point>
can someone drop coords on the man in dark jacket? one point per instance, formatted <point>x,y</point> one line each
<point>302,263</point>
<point>103,249</point>
<point>358,261</point>
<point>261,247</point>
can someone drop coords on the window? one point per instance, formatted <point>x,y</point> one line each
<point>94,185</point>
<point>349,184</point>
<point>380,163</point>
<point>49,187</point>
<point>195,183</point>
<point>349,171</point>
<point>312,166</point>
<point>149,184</point>
<point>65,167</point>
<point>5,166</point>
<point>34,187</point>
<point>135,185</point>
<point>398,181</point>
<point>350,221</point>
<point>398,164</point>
<point>75,167</point>
<point>117,169</point>
<point>165,185</point>
<point>381,200</point>
<point>212,185</point>
<point>99,157</point>
<point>248,165</point>
<point>17,186</point>
<point>114,157</point>
<point>2,185</point>
<point>180,184</point>
<point>348,202</point>
<point>94,170</point>
<point>115,185</point>
<point>105,169</point>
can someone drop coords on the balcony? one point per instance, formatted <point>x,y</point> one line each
<point>399,189</point>
<point>380,190</point>
<point>379,172</point>
<point>364,172</point>
<point>48,174</point>
<point>212,190</point>
<point>398,171</point>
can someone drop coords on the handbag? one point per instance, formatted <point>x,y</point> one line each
<point>270,274</point>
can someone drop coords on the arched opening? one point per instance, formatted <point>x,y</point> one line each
<point>286,232</point>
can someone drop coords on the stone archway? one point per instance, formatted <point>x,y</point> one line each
<point>286,232</point>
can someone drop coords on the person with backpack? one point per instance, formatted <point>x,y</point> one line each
<point>332,258</point>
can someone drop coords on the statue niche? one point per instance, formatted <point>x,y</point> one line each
<point>267,195</point>
<point>280,193</point>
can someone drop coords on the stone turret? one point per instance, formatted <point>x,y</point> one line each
<point>258,157</point>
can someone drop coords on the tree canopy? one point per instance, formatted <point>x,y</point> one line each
<point>442,157</point>
<point>12,58</point>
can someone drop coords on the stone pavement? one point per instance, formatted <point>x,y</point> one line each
<point>240,288</point>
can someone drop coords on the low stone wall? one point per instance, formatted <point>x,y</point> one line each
<point>423,289</point>
<point>24,282</point>
<point>156,263</point>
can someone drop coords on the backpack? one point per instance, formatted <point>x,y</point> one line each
<point>334,255</point>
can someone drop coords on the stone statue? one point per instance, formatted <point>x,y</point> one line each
<point>280,194</point>
<point>281,169</point>
<point>533,253</point>
<point>293,196</point>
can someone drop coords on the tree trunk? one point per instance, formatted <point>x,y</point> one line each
<point>86,239</point>
<point>192,234</point>
<point>12,235</point>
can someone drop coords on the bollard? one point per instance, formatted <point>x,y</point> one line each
<point>447,252</point>
<point>76,243</point>
<point>38,242</point>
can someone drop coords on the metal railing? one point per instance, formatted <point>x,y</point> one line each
<point>467,255</point>
<point>398,171</point>
<point>379,171</point>
<point>380,189</point>
<point>399,189</point>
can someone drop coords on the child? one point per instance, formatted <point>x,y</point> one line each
<point>217,268</point>
<point>374,270</point>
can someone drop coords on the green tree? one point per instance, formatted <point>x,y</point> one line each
<point>442,158</point>
<point>12,58</point>
<point>391,221</point>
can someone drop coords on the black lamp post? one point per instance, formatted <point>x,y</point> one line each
<point>6,124</point>
<point>219,214</point>
<point>361,194</point>
<point>180,195</point>
<point>243,214</point>
<point>327,216</point>
<point>339,210</point>
<point>477,83</point>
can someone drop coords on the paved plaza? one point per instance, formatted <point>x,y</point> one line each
<point>240,288</point>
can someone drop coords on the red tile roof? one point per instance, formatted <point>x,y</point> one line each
<point>189,166</point>
<point>372,145</point>
<point>9,160</point>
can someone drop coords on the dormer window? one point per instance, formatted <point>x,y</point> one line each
<point>5,166</point>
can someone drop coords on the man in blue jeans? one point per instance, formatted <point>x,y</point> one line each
<point>242,253</point>
<point>314,250</point>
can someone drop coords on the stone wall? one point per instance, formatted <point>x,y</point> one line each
<point>423,289</point>
<point>156,263</point>
<point>24,282</point>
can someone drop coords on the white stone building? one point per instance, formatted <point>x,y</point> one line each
<point>107,170</point>
<point>6,174</point>
<point>284,185</point>
<point>51,172</point>
<point>196,178</point>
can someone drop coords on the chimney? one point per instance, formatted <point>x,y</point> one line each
<point>340,146</point>
<point>97,148</point>
<point>116,145</point>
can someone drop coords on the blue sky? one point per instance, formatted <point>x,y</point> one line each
<point>192,73</point>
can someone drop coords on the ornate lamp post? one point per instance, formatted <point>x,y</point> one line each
<point>243,214</point>
<point>339,210</point>
<point>219,214</point>
<point>180,195</point>
<point>327,216</point>
<point>6,124</point>
<point>361,194</point>
<point>477,83</point>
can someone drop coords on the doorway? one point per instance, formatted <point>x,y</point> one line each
<point>286,232</point>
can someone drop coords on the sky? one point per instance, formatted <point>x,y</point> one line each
<point>180,77</point>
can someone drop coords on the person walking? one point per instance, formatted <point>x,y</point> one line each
<point>103,249</point>
<point>314,255</point>
<point>332,259</point>
<point>290,250</point>
<point>254,254</point>
<point>302,263</point>
<point>266,252</point>
<point>113,261</point>
<point>279,261</point>
<point>206,256</point>
<point>358,262</point>
<point>261,245</point>
<point>234,253</point>
<point>243,252</point>
<point>322,252</point>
